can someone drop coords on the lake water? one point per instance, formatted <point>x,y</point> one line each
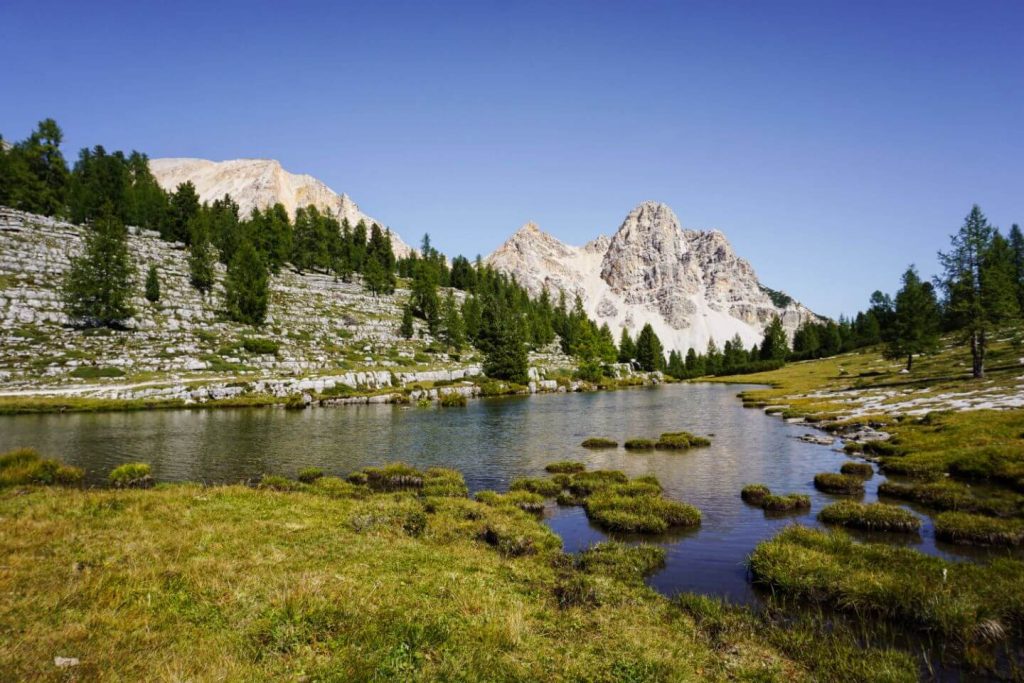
<point>491,442</point>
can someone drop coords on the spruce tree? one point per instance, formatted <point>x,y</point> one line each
<point>202,255</point>
<point>453,330</point>
<point>506,357</point>
<point>1017,246</point>
<point>975,282</point>
<point>774,346</point>
<point>97,289</point>
<point>915,325</point>
<point>627,347</point>
<point>152,285</point>
<point>406,329</point>
<point>184,207</point>
<point>649,352</point>
<point>246,286</point>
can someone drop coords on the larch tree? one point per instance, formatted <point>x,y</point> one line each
<point>915,321</point>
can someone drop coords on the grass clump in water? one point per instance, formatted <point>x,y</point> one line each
<point>307,475</point>
<point>870,516</point>
<point>951,496</point>
<point>599,442</point>
<point>962,601</point>
<point>393,477</point>
<point>548,488</point>
<point>524,500</point>
<point>639,444</point>
<point>786,503</point>
<point>565,467</point>
<point>132,475</point>
<point>681,441</point>
<point>444,482</point>
<point>616,510</point>
<point>858,469</point>
<point>962,527</point>
<point>754,493</point>
<point>627,562</point>
<point>844,484</point>
<point>452,399</point>
<point>24,466</point>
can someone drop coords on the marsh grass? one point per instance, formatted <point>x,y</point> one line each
<point>870,516</point>
<point>599,442</point>
<point>524,500</point>
<point>626,562</point>
<point>952,496</point>
<point>308,475</point>
<point>565,467</point>
<point>638,444</point>
<point>680,441</point>
<point>452,399</point>
<point>132,475</point>
<point>755,493</point>
<point>962,527</point>
<point>965,602</point>
<point>617,510</point>
<point>548,488</point>
<point>843,484</point>
<point>25,466</point>
<point>858,469</point>
<point>786,503</point>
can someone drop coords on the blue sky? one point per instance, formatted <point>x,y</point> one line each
<point>832,142</point>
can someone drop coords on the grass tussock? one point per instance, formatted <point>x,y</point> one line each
<point>25,466</point>
<point>307,475</point>
<point>616,509</point>
<point>962,601</point>
<point>863,470</point>
<point>565,467</point>
<point>639,444</point>
<point>755,493</point>
<point>680,441</point>
<point>452,399</point>
<point>843,484</point>
<point>599,442</point>
<point>524,500</point>
<point>952,496</point>
<point>548,488</point>
<point>790,502</point>
<point>132,475</point>
<point>627,562</point>
<point>870,517</point>
<point>962,527</point>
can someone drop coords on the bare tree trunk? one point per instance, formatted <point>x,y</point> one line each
<point>978,354</point>
<point>910,361</point>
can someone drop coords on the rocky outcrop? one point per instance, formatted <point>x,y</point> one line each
<point>259,183</point>
<point>689,285</point>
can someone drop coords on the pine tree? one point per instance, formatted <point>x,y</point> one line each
<point>453,330</point>
<point>975,284</point>
<point>1017,246</point>
<point>152,285</point>
<point>246,286</point>
<point>375,278</point>
<point>627,347</point>
<point>202,255</point>
<point>774,346</point>
<point>649,352</point>
<point>424,299</point>
<point>506,357</point>
<point>97,289</point>
<point>915,326</point>
<point>675,367</point>
<point>694,363</point>
<point>406,329</point>
<point>184,207</point>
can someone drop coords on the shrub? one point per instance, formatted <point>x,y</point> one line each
<point>599,442</point>
<point>628,562</point>
<point>452,399</point>
<point>858,469</point>
<point>548,488</point>
<point>639,445</point>
<point>961,527</point>
<point>786,503</point>
<point>308,475</point>
<point>844,484</point>
<point>871,516</point>
<point>260,345</point>
<point>754,493</point>
<point>132,475</point>
<point>565,467</point>
<point>680,441</point>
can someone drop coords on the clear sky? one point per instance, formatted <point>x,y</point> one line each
<point>833,142</point>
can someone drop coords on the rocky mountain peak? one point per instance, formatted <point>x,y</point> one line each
<point>259,183</point>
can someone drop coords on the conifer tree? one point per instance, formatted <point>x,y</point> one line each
<point>774,346</point>
<point>649,352</point>
<point>97,289</point>
<point>1017,246</point>
<point>453,330</point>
<point>915,325</point>
<point>246,286</point>
<point>406,329</point>
<point>506,356</point>
<point>202,255</point>
<point>627,347</point>
<point>152,285</point>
